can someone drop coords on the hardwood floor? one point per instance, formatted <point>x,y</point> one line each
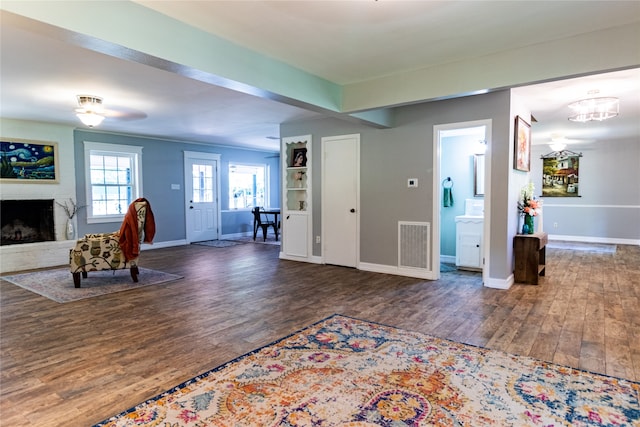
<point>78,363</point>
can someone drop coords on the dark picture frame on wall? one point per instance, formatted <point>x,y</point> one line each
<point>522,145</point>
<point>26,161</point>
<point>299,158</point>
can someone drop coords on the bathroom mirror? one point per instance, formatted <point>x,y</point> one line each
<point>478,174</point>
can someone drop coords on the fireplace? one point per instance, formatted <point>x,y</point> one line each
<point>26,221</point>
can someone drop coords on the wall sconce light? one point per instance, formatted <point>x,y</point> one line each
<point>90,109</point>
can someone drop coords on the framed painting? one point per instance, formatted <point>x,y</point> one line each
<point>299,157</point>
<point>560,175</point>
<point>522,145</point>
<point>27,161</point>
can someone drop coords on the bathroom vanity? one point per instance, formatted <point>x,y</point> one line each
<point>469,236</point>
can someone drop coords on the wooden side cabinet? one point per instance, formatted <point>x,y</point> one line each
<point>530,253</point>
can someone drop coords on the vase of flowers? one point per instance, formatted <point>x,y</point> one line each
<point>70,210</point>
<point>529,207</point>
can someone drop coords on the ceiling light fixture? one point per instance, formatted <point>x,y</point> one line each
<point>557,146</point>
<point>591,109</point>
<point>558,142</point>
<point>90,109</point>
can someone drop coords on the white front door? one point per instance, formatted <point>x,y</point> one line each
<point>341,200</point>
<point>201,196</point>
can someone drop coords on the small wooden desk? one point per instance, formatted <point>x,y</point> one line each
<point>530,253</point>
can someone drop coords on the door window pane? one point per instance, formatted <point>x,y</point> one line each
<point>202,176</point>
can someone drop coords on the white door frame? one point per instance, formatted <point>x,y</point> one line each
<point>197,155</point>
<point>323,194</point>
<point>437,194</point>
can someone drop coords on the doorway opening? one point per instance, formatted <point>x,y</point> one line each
<point>461,182</point>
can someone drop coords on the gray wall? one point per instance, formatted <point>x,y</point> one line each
<point>609,202</point>
<point>390,156</point>
<point>163,165</point>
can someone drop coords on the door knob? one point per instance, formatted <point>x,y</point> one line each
<point>352,210</point>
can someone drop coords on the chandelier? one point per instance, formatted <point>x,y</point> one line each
<point>90,109</point>
<point>591,109</point>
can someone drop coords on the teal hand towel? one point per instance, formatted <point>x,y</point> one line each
<point>447,201</point>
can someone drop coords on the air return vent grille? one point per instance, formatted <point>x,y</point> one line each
<point>414,244</point>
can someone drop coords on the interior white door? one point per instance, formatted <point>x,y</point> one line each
<point>340,200</point>
<point>201,191</point>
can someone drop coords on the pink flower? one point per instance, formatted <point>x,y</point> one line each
<point>594,416</point>
<point>278,368</point>
<point>533,417</point>
<point>188,416</point>
<point>319,357</point>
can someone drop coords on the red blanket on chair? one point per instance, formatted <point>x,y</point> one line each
<point>129,239</point>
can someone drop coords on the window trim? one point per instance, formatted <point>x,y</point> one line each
<point>267,183</point>
<point>101,148</point>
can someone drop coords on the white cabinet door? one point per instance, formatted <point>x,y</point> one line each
<point>469,242</point>
<point>295,235</point>
<point>468,253</point>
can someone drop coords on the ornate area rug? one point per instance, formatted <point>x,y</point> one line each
<point>351,373</point>
<point>218,243</point>
<point>58,284</point>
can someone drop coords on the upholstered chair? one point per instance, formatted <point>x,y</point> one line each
<point>103,251</point>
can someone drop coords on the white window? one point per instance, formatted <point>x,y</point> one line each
<point>247,185</point>
<point>113,179</point>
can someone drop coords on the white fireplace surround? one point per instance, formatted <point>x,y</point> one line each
<point>42,254</point>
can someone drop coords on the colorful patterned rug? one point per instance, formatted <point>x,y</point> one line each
<point>351,373</point>
<point>58,285</point>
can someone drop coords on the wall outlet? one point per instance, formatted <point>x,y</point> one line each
<point>412,182</point>
<point>317,239</point>
<point>555,225</point>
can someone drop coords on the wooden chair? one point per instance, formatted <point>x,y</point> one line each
<point>260,220</point>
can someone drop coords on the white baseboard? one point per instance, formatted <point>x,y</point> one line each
<point>159,245</point>
<point>499,283</point>
<point>312,259</point>
<point>398,271</point>
<point>589,239</point>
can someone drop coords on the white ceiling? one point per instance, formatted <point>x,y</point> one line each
<point>341,41</point>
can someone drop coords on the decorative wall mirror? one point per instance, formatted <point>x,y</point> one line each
<point>478,174</point>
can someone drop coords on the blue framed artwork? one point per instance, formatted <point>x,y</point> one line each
<point>28,161</point>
